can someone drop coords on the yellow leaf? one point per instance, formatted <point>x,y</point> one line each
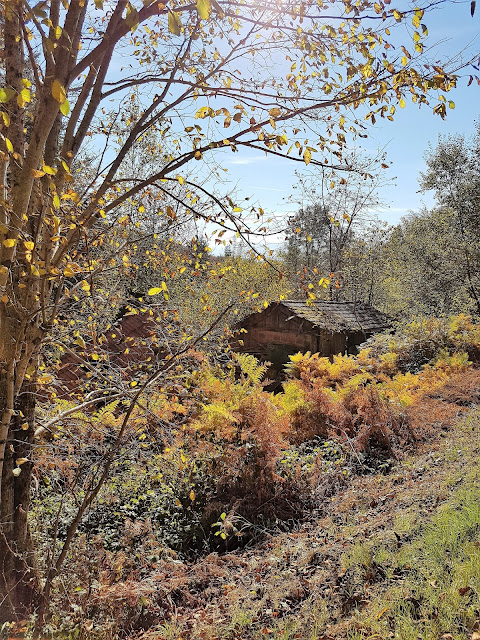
<point>50,170</point>
<point>58,92</point>
<point>35,271</point>
<point>37,173</point>
<point>6,94</point>
<point>174,23</point>
<point>204,8</point>
<point>402,103</point>
<point>9,145</point>
<point>275,112</point>
<point>9,242</point>
<point>94,356</point>
<point>65,107</point>
<point>192,494</point>
<point>307,156</point>
<point>154,291</point>
<point>29,245</point>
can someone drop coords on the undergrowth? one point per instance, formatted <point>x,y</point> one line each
<point>213,462</point>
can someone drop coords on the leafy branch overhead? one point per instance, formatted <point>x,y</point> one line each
<point>88,89</point>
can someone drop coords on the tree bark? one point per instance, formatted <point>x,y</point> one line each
<point>18,580</point>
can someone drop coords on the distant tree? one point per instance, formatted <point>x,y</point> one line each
<point>364,270</point>
<point>453,174</point>
<point>307,236</point>
<point>320,233</point>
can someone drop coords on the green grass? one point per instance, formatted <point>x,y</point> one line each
<point>432,584</point>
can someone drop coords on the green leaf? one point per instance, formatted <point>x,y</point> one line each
<point>204,9</point>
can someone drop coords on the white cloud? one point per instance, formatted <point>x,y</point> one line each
<point>250,160</point>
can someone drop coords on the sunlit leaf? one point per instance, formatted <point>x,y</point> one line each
<point>58,92</point>
<point>204,8</point>
<point>65,107</point>
<point>6,94</point>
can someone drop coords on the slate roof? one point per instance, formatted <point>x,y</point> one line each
<point>339,316</point>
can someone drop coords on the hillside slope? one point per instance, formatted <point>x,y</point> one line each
<point>392,556</point>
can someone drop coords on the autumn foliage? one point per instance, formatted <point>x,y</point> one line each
<point>213,461</point>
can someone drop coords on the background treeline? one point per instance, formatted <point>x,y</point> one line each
<point>427,264</point>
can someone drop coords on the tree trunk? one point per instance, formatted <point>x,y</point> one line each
<point>18,581</point>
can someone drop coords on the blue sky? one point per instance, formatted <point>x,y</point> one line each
<point>405,140</point>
